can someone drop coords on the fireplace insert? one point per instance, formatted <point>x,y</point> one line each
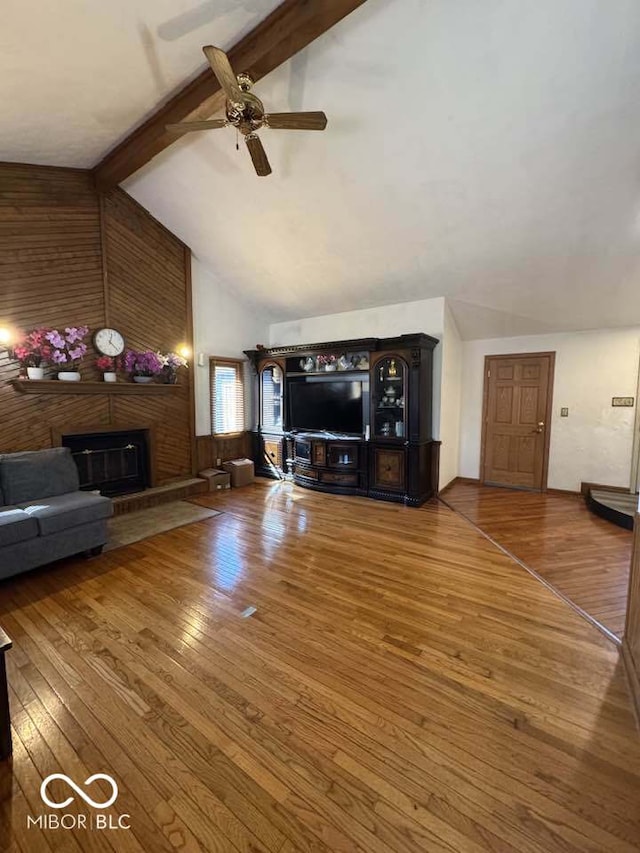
<point>113,462</point>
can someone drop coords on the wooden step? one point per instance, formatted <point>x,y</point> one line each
<point>176,491</point>
<point>617,507</point>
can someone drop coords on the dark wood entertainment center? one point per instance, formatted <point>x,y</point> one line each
<point>382,389</point>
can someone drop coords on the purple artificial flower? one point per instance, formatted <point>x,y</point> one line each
<point>78,352</point>
<point>76,333</point>
<point>64,351</point>
<point>173,361</point>
<point>145,363</point>
<point>54,337</point>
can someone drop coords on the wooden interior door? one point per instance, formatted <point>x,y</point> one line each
<point>517,412</point>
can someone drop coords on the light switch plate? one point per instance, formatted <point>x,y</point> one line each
<point>564,412</point>
<point>622,401</point>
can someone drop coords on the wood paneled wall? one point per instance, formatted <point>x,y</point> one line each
<point>209,449</point>
<point>631,639</point>
<point>71,256</point>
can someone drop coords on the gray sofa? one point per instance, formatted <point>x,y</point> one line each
<point>43,514</point>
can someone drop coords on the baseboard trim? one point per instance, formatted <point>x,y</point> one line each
<point>456,480</point>
<point>633,678</point>
<point>476,481</point>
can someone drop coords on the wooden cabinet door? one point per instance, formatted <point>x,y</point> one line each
<point>389,468</point>
<point>342,455</point>
<point>517,412</point>
<point>273,451</point>
<point>303,451</point>
<point>319,456</point>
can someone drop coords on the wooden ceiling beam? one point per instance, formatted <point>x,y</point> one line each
<point>293,25</point>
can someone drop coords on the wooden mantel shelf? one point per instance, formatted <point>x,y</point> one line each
<point>55,386</point>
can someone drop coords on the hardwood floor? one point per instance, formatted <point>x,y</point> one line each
<point>401,686</point>
<point>585,557</point>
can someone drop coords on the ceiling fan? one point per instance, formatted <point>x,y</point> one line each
<point>246,112</point>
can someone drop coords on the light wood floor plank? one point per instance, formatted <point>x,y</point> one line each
<point>585,557</point>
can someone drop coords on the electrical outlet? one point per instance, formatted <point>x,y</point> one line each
<point>564,412</point>
<point>218,462</point>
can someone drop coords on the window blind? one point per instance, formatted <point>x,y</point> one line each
<point>226,378</point>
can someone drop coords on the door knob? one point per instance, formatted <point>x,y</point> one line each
<point>539,427</point>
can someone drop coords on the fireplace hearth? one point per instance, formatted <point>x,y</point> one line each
<point>114,462</point>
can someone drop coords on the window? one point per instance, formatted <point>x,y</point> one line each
<point>227,395</point>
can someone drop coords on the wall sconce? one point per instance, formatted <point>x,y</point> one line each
<point>7,337</point>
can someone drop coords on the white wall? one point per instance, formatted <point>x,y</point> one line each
<point>222,325</point>
<point>451,395</point>
<point>426,315</point>
<point>594,444</point>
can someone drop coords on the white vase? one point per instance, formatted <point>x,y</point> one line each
<point>143,380</point>
<point>69,376</point>
<point>110,377</point>
<point>35,372</point>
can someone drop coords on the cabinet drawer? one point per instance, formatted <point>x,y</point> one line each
<point>307,473</point>
<point>273,452</point>
<point>388,468</point>
<point>338,479</point>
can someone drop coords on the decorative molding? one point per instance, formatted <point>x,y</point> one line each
<point>301,349</point>
<point>409,341</point>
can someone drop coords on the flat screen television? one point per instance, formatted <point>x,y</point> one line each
<point>335,406</point>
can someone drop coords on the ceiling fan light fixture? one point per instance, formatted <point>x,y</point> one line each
<point>245,111</point>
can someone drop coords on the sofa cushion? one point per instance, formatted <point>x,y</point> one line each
<point>16,526</point>
<point>37,474</point>
<point>61,512</point>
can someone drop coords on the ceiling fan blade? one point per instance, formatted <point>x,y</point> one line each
<point>258,155</point>
<point>221,67</point>
<point>188,126</point>
<point>296,121</point>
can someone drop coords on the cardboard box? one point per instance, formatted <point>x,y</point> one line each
<point>216,478</point>
<point>241,471</point>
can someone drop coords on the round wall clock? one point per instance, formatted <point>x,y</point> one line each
<point>108,342</point>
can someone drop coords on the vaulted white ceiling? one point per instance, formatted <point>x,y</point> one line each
<point>487,151</point>
<point>77,75</point>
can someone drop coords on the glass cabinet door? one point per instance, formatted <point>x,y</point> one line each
<point>271,398</point>
<point>388,398</point>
